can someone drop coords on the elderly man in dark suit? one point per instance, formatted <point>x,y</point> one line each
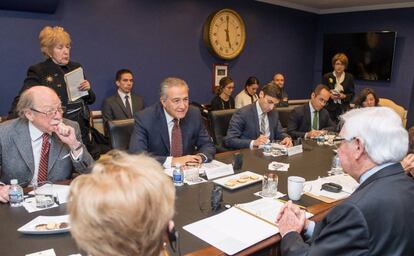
<point>40,145</point>
<point>123,104</point>
<point>312,119</point>
<point>258,123</point>
<point>170,130</point>
<point>377,219</point>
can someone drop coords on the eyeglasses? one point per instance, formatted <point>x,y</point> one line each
<point>341,139</point>
<point>51,112</point>
<point>177,101</point>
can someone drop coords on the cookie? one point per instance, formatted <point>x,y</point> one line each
<point>63,225</point>
<point>254,177</point>
<point>52,225</point>
<point>231,183</point>
<point>41,227</point>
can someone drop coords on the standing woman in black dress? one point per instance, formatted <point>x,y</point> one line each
<point>341,85</point>
<point>55,44</point>
<point>223,99</point>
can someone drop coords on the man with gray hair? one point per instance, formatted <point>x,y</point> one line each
<point>171,130</point>
<point>40,145</point>
<point>377,219</point>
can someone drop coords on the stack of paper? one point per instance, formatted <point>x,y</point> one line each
<point>239,227</point>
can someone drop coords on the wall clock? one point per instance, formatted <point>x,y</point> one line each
<point>224,34</point>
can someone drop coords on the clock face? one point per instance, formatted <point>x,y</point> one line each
<point>226,34</point>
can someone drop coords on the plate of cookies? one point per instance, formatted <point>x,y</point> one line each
<point>239,180</point>
<point>46,225</point>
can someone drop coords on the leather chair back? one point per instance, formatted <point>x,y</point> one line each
<point>120,133</point>
<point>219,123</point>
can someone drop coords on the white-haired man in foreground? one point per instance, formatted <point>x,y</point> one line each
<point>377,219</point>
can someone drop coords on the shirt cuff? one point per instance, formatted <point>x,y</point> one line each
<point>204,158</point>
<point>309,231</point>
<point>252,144</point>
<point>76,158</point>
<point>167,163</point>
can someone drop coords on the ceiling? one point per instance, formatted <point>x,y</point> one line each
<point>338,6</point>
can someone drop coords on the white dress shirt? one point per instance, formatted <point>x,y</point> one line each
<point>122,95</point>
<point>259,114</point>
<point>170,125</point>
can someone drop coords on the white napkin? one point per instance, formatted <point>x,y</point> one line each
<point>49,252</point>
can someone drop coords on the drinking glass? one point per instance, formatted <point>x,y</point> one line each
<point>191,171</point>
<point>269,184</point>
<point>44,195</point>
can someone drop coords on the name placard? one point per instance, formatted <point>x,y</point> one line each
<point>219,171</point>
<point>294,150</point>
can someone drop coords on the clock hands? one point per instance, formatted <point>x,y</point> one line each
<point>227,31</point>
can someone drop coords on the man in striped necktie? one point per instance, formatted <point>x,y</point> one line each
<point>40,145</point>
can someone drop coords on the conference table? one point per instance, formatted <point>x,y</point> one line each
<point>192,204</point>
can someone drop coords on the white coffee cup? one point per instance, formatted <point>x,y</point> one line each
<point>295,187</point>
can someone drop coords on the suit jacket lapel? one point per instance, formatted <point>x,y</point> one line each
<point>255,120</point>
<point>121,104</point>
<point>56,147</point>
<point>308,121</point>
<point>23,143</point>
<point>163,127</point>
<point>270,117</point>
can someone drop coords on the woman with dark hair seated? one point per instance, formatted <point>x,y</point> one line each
<point>248,95</point>
<point>223,99</point>
<point>366,98</point>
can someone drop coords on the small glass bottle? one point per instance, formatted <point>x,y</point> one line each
<point>178,175</point>
<point>15,193</point>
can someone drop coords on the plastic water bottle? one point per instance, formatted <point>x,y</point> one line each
<point>178,175</point>
<point>15,194</point>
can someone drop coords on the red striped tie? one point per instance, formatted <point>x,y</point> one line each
<point>44,159</point>
<point>176,140</point>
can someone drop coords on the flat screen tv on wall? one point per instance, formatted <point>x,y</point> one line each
<point>370,54</point>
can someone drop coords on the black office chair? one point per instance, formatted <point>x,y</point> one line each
<point>120,133</point>
<point>284,113</point>
<point>219,122</point>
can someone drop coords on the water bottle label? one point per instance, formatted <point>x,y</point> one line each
<point>177,177</point>
<point>15,197</point>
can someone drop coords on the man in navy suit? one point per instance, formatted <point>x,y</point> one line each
<point>170,130</point>
<point>123,104</point>
<point>258,123</point>
<point>312,119</point>
<point>377,218</point>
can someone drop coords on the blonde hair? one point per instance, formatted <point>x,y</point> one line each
<point>341,57</point>
<point>123,207</point>
<point>49,37</point>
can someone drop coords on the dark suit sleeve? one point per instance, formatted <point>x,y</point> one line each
<point>327,124</point>
<point>349,88</point>
<point>234,132</point>
<point>295,119</point>
<point>107,113</point>
<point>280,134</point>
<point>204,143</point>
<point>90,98</point>
<point>139,139</point>
<point>344,231</point>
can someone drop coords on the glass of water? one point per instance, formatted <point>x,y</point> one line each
<point>44,195</point>
<point>336,167</point>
